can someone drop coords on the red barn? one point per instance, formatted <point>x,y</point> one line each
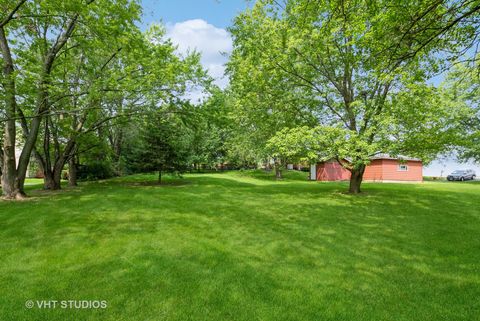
<point>382,168</point>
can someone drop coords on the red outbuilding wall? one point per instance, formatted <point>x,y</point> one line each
<point>379,170</point>
<point>374,171</point>
<point>331,171</point>
<point>391,172</point>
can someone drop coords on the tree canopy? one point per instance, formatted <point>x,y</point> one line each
<point>355,67</point>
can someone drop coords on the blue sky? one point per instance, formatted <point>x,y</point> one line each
<point>199,25</point>
<point>202,24</point>
<point>217,12</point>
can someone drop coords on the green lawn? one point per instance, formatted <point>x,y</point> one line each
<point>240,246</point>
<point>33,181</point>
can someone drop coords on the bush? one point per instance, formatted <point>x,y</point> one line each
<point>95,170</point>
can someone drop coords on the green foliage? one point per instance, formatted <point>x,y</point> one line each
<point>209,130</point>
<point>158,145</point>
<point>350,70</point>
<point>426,122</point>
<point>95,170</point>
<point>83,68</point>
<point>463,88</point>
<point>295,145</point>
<point>321,143</point>
<point>178,137</point>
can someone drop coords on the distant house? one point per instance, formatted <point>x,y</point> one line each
<point>382,168</point>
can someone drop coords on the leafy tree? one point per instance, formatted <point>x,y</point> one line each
<point>162,78</point>
<point>347,60</point>
<point>35,36</point>
<point>298,144</point>
<point>262,103</point>
<point>463,88</point>
<point>209,129</point>
<point>83,66</point>
<point>158,145</point>
<point>142,73</point>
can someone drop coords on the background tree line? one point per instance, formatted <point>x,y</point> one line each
<point>85,91</point>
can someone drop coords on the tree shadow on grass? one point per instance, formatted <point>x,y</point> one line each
<point>276,270</point>
<point>269,175</point>
<point>179,182</point>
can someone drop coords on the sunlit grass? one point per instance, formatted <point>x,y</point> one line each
<point>241,246</point>
<point>33,181</point>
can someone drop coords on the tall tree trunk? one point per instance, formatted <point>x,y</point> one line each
<point>356,179</point>
<point>57,173</point>
<point>42,103</point>
<point>53,176</point>
<point>48,182</point>
<point>72,171</point>
<point>54,181</point>
<point>10,186</point>
<point>115,139</point>
<point>48,173</point>
<point>160,176</point>
<point>278,170</point>
<point>32,136</point>
<point>58,162</point>
<point>1,158</point>
<point>117,150</point>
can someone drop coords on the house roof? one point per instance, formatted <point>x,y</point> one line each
<point>383,156</point>
<point>388,156</point>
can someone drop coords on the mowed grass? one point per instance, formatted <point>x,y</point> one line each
<point>241,246</point>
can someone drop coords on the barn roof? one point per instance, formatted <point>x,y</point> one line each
<point>382,156</point>
<point>388,156</point>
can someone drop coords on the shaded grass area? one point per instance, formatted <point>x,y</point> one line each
<point>241,246</point>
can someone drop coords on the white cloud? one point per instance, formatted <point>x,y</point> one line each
<point>212,42</point>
